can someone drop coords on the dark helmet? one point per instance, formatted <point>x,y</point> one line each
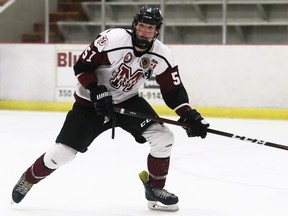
<point>147,15</point>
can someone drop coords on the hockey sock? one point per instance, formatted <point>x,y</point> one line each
<point>158,170</point>
<point>38,171</point>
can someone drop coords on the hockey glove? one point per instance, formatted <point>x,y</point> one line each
<point>102,100</point>
<point>197,125</point>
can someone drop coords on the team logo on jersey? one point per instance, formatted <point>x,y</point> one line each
<point>128,57</point>
<point>102,40</point>
<point>148,67</point>
<point>125,78</point>
<point>144,63</point>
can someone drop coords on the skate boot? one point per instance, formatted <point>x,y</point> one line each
<point>158,199</point>
<point>21,189</point>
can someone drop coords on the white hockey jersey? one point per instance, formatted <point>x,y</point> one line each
<point>111,61</point>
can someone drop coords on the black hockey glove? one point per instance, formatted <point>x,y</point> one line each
<point>102,100</point>
<point>197,125</point>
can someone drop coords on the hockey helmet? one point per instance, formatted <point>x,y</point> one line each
<point>148,15</point>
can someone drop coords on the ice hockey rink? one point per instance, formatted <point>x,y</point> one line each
<point>216,176</point>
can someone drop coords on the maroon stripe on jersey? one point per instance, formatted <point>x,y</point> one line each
<point>182,110</point>
<point>90,60</point>
<point>166,81</point>
<point>82,101</point>
<point>173,91</point>
<point>87,79</point>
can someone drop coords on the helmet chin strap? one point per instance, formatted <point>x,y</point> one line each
<point>142,44</point>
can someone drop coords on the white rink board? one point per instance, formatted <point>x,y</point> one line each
<point>214,75</point>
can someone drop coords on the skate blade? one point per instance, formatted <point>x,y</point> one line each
<point>12,202</point>
<point>156,206</point>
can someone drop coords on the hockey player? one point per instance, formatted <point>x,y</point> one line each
<point>109,73</point>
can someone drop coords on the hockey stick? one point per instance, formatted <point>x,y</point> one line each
<point>182,124</point>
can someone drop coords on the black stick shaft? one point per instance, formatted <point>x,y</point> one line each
<point>213,131</point>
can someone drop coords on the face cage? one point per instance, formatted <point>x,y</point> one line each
<point>142,44</point>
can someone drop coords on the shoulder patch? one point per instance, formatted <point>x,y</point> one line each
<point>101,41</point>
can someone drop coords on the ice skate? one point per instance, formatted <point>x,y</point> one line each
<point>158,199</point>
<point>21,189</point>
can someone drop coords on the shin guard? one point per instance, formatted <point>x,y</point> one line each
<point>158,170</point>
<point>38,171</point>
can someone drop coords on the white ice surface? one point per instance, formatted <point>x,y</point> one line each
<point>217,176</point>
